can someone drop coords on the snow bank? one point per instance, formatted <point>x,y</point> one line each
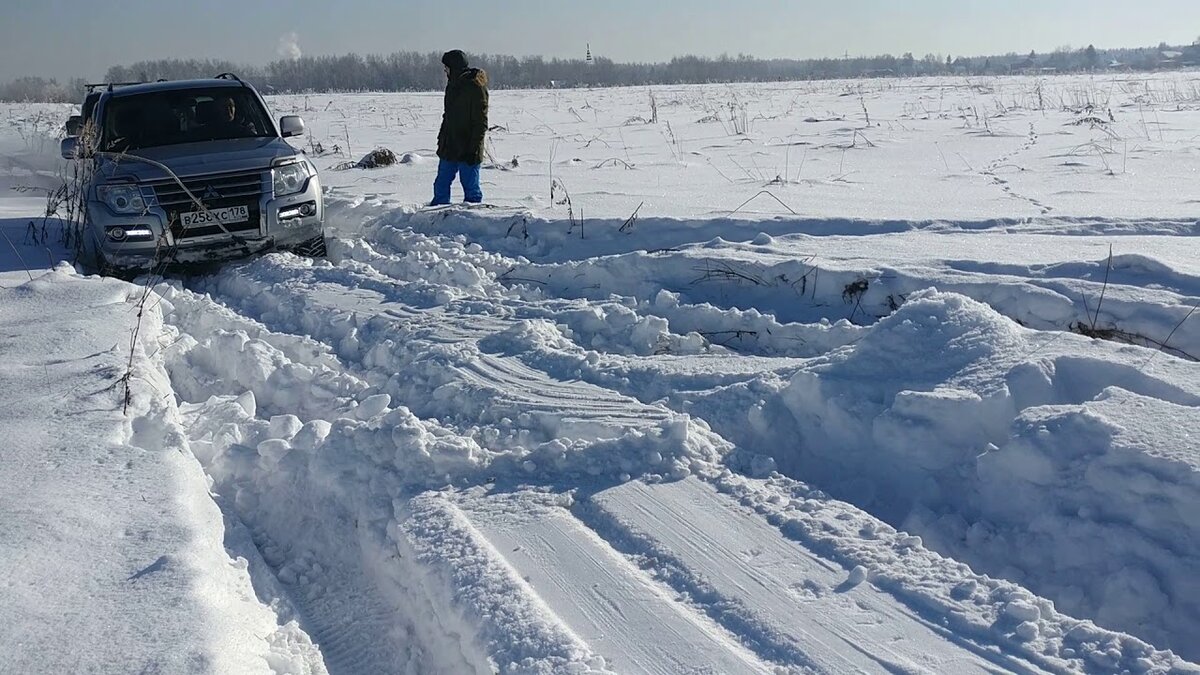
<point>116,557</point>
<point>794,294</point>
<point>1051,460</point>
<point>1099,499</point>
<point>945,592</point>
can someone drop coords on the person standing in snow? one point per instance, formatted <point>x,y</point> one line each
<point>464,125</point>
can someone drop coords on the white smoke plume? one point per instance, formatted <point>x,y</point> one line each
<point>289,46</point>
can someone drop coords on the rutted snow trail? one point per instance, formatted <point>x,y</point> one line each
<point>441,489</point>
<point>603,597</point>
<point>847,625</point>
<point>783,602</point>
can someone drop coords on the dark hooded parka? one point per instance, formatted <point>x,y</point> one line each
<point>464,122</point>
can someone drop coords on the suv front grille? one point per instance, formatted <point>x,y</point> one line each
<point>214,192</point>
<point>219,187</point>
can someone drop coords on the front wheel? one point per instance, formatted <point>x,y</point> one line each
<point>313,248</point>
<point>93,258</point>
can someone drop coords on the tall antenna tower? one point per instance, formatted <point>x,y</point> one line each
<point>589,53</point>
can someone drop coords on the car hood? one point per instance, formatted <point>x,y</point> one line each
<point>192,159</point>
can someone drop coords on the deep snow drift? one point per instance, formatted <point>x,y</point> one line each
<point>851,423</point>
<point>115,556</point>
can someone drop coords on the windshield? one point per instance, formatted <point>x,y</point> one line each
<point>186,116</point>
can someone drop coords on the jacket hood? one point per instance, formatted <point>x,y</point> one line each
<point>476,75</point>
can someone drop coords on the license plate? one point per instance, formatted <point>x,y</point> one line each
<point>225,216</point>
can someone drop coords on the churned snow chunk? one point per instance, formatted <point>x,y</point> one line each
<point>248,403</point>
<point>311,435</point>
<point>284,426</point>
<point>1027,631</point>
<point>274,449</point>
<point>857,576</point>
<point>964,589</point>
<point>372,406</point>
<point>1022,611</point>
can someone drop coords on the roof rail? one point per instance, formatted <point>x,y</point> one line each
<point>109,85</point>
<point>228,76</point>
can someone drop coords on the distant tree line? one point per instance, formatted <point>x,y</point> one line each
<point>42,89</point>
<point>415,71</point>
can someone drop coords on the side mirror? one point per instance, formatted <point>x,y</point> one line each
<point>291,125</point>
<point>74,125</point>
<point>69,147</point>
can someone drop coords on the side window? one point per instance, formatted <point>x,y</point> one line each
<point>247,112</point>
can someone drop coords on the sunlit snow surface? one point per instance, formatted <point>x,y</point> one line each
<point>788,379</point>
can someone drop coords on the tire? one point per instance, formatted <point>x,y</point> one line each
<point>106,269</point>
<point>93,258</point>
<point>313,248</point>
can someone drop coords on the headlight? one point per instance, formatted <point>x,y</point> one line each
<point>290,178</point>
<point>122,198</point>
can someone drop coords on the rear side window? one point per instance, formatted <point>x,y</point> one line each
<point>189,116</point>
<point>89,105</point>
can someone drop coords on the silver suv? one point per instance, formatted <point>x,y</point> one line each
<point>189,172</point>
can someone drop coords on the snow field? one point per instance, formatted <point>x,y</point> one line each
<point>738,432</point>
<point>955,149</point>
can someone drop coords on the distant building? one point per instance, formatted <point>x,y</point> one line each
<point>1170,59</point>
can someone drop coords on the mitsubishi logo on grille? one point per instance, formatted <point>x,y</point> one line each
<point>210,192</point>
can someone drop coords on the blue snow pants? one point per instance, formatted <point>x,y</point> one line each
<point>468,176</point>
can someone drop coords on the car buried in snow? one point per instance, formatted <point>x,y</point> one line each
<point>193,171</point>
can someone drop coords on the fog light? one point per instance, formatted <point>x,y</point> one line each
<point>117,233</point>
<point>302,211</point>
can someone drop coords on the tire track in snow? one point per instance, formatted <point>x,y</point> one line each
<point>789,600</point>
<point>355,577</point>
<point>453,336</point>
<point>619,383</point>
<point>683,617</point>
<point>300,294</point>
<point>605,599</point>
<point>448,371</point>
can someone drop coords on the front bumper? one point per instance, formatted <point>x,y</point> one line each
<point>168,241</point>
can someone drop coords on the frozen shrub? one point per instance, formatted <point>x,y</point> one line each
<point>377,158</point>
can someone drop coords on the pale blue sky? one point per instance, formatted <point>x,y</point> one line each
<point>83,37</point>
